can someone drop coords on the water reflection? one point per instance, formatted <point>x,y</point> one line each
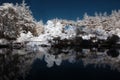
<point>15,64</point>
<point>100,57</point>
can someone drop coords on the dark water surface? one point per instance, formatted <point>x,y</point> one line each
<point>45,64</point>
<point>71,71</point>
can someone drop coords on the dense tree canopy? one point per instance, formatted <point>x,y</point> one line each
<point>15,19</point>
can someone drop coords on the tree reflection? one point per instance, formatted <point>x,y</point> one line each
<point>14,64</point>
<point>98,57</point>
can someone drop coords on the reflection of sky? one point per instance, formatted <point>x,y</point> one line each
<point>68,9</point>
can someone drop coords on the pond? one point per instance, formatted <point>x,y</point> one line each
<point>46,63</point>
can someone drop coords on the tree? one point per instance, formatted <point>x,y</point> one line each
<point>15,19</point>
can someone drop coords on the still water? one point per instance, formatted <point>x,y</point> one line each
<point>47,63</point>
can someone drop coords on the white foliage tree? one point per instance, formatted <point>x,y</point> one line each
<point>15,19</point>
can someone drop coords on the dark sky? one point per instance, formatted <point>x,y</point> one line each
<point>68,9</point>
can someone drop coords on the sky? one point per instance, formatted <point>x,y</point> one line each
<point>67,9</point>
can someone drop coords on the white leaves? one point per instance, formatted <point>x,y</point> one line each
<point>24,37</point>
<point>54,29</point>
<point>15,19</point>
<point>86,37</point>
<point>100,25</point>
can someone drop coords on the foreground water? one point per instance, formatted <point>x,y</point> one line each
<point>46,63</point>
